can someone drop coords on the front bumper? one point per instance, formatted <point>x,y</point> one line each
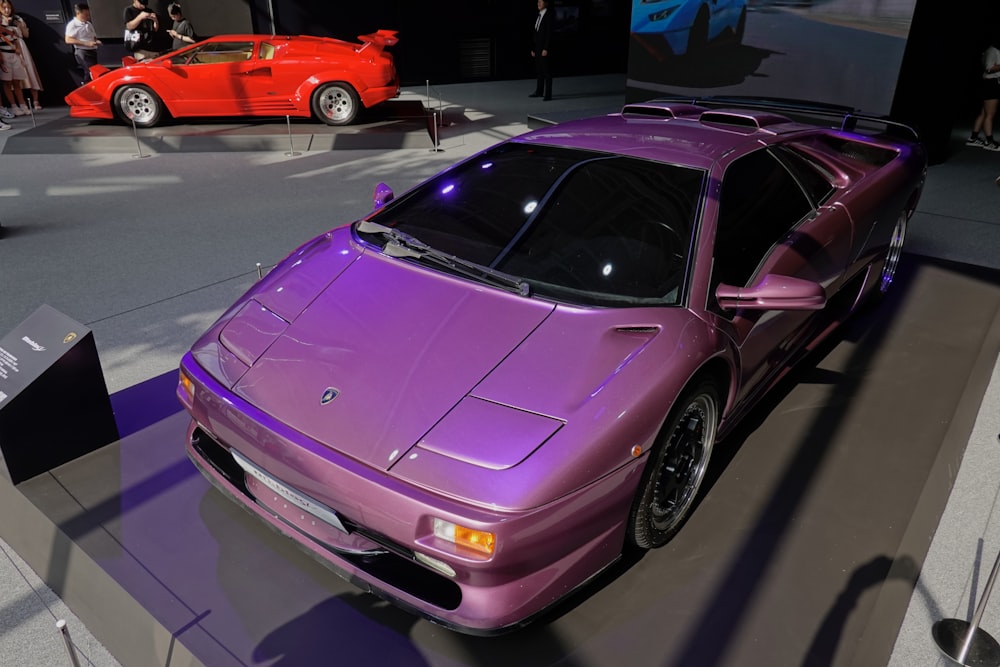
<point>542,555</point>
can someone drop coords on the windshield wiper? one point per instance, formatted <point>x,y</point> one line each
<point>400,244</point>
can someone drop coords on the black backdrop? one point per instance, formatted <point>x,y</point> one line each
<point>482,40</point>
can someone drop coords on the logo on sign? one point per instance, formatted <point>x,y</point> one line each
<point>328,395</point>
<point>33,345</point>
<point>70,337</point>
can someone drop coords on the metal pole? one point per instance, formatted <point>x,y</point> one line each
<point>966,643</point>
<point>428,83</point>
<point>135,133</point>
<point>435,139</point>
<point>260,272</point>
<point>291,148</point>
<point>64,631</point>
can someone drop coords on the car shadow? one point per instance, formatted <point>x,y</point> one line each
<point>723,64</point>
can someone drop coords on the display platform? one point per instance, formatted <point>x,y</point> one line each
<point>803,551</point>
<point>399,123</point>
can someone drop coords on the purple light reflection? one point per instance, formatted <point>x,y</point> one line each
<point>230,589</point>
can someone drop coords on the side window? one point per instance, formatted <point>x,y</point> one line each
<point>759,204</point>
<point>266,51</point>
<point>215,53</point>
<point>816,180</point>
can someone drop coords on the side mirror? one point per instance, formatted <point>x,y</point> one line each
<point>383,195</point>
<point>773,292</point>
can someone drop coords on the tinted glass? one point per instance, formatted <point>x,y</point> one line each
<point>759,204</point>
<point>579,226</point>
<point>811,175</point>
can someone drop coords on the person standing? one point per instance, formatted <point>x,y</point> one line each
<point>12,72</point>
<point>12,20</point>
<point>990,94</point>
<point>80,34</point>
<point>182,32</point>
<point>541,50</point>
<point>138,18</point>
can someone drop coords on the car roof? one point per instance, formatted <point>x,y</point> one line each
<point>672,132</point>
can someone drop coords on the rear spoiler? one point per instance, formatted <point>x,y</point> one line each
<point>848,118</point>
<point>98,71</point>
<point>378,39</point>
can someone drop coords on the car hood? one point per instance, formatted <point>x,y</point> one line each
<point>379,356</point>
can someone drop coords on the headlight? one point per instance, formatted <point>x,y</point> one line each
<point>662,14</point>
<point>479,541</point>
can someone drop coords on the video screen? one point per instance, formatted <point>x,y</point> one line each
<point>842,52</point>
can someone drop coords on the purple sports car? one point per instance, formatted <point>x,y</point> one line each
<point>479,396</point>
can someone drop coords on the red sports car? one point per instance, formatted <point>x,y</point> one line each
<point>246,75</point>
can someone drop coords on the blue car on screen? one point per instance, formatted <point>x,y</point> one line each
<point>689,25</point>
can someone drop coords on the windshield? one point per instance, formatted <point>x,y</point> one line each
<point>580,226</point>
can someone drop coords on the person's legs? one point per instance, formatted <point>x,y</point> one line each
<point>539,78</point>
<point>977,124</point>
<point>15,67</point>
<point>6,77</point>
<point>85,58</point>
<point>989,111</point>
<point>544,78</point>
<point>16,96</point>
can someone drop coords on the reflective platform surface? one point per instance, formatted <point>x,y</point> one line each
<point>804,549</point>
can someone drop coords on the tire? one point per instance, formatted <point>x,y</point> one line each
<point>675,469</point>
<point>698,36</point>
<point>893,254</point>
<point>741,28</point>
<point>138,104</point>
<point>335,103</point>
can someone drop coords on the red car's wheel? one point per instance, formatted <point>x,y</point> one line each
<point>138,104</point>
<point>335,103</point>
<point>675,469</point>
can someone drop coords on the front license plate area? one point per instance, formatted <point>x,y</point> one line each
<point>296,498</point>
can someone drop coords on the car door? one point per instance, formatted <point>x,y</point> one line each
<point>213,78</point>
<point>768,224</point>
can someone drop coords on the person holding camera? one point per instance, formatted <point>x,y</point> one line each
<point>141,25</point>
<point>182,32</point>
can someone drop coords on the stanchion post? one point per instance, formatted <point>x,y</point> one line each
<point>965,642</point>
<point>260,272</point>
<point>291,148</point>
<point>64,631</point>
<point>135,133</point>
<point>437,144</point>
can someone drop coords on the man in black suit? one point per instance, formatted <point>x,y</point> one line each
<point>540,51</point>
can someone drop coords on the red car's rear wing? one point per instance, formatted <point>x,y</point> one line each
<point>378,39</point>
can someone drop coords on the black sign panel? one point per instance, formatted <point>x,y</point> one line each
<point>54,404</point>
